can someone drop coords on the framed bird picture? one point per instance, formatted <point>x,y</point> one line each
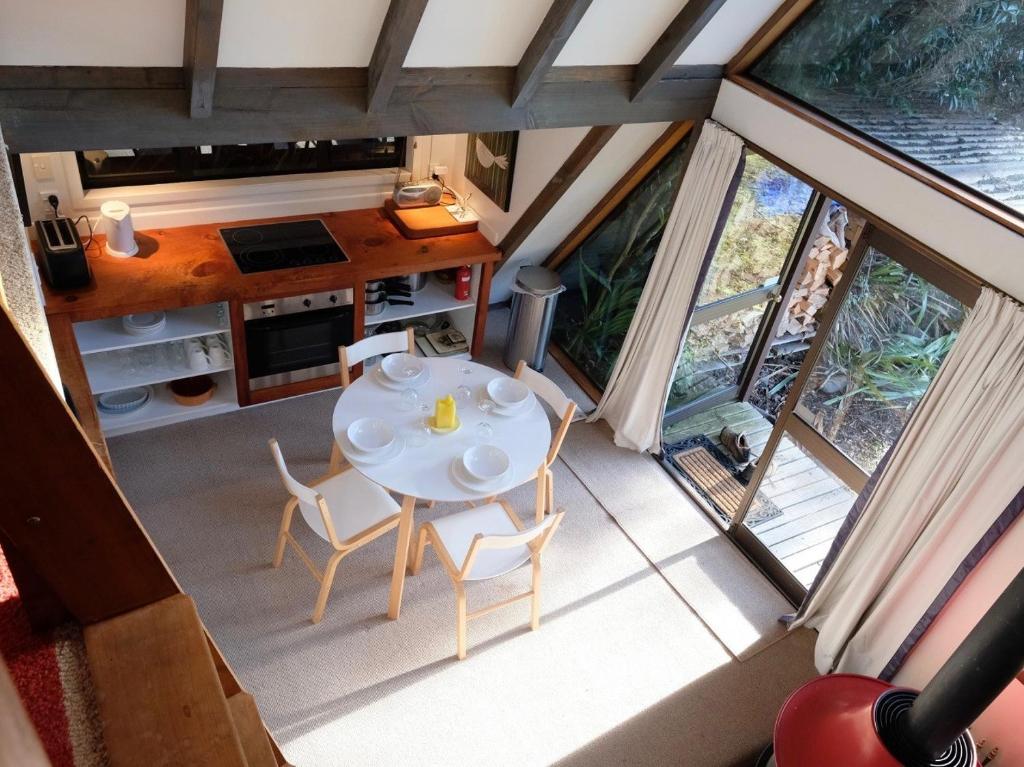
<point>490,160</point>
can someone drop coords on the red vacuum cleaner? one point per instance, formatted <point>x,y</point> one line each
<point>845,720</point>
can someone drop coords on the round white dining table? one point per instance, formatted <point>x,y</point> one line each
<point>424,471</point>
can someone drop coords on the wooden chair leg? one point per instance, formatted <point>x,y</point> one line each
<point>542,480</point>
<point>535,599</point>
<point>335,463</point>
<point>282,535</point>
<point>460,620</point>
<point>419,543</point>
<point>549,490</point>
<point>325,585</point>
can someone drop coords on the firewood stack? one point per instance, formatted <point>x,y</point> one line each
<point>823,271</point>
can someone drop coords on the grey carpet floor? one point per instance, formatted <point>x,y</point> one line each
<point>632,664</point>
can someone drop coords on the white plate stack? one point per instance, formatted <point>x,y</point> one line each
<point>144,324</point>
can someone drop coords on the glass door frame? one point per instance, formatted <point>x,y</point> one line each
<point>831,457</point>
<point>774,293</point>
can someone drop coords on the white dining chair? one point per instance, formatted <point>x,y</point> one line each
<point>482,543</point>
<point>564,408</point>
<point>371,346</point>
<point>345,509</point>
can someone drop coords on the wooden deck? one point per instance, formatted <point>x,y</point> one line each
<point>814,502</point>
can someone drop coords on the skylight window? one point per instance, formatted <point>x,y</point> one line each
<point>939,82</point>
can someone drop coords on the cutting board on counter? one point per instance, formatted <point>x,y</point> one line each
<point>432,221</point>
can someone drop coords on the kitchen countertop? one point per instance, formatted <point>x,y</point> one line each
<point>191,265</point>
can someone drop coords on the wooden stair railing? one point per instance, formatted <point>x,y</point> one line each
<point>73,530</point>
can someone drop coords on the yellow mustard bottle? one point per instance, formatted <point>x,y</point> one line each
<point>444,413</point>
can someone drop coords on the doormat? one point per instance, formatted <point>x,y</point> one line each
<point>716,478</point>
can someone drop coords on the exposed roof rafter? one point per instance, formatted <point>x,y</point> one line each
<point>396,34</point>
<point>199,59</point>
<point>52,109</point>
<point>673,41</point>
<point>547,43</point>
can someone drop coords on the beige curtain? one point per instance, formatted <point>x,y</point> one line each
<point>634,400</point>
<point>956,467</point>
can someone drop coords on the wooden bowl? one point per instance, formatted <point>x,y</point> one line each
<point>192,391</point>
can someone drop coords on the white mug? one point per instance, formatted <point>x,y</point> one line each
<point>198,360</point>
<point>218,354</point>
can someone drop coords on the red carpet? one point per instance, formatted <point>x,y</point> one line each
<point>32,662</point>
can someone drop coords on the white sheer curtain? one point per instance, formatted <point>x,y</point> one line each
<point>956,467</point>
<point>634,400</point>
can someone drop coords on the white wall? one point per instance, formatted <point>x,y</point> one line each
<point>618,31</point>
<point>728,31</point>
<point>299,33</point>
<point>605,170</point>
<point>989,250</point>
<point>92,32</point>
<point>457,33</point>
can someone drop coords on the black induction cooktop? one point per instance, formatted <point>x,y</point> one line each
<point>287,245</point>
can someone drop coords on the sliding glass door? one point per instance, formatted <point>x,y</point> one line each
<point>742,284</point>
<point>882,340</point>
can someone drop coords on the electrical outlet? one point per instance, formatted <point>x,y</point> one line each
<point>439,170</point>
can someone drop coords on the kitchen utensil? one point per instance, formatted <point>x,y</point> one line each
<point>387,383</point>
<point>416,281</point>
<point>125,400</point>
<point>373,459</point>
<point>378,305</point>
<point>370,435</point>
<point>192,391</point>
<point>116,223</point>
<point>219,355</point>
<point>486,463</point>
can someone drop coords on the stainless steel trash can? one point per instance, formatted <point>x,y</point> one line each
<point>534,296</point>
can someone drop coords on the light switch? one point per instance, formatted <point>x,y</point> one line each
<point>41,167</point>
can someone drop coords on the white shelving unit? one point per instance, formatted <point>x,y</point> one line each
<point>109,334</point>
<point>163,409</point>
<point>433,299</point>
<point>99,341</point>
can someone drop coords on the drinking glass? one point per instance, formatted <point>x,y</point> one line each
<point>129,367</point>
<point>465,369</point>
<point>486,405</point>
<point>484,432</point>
<point>418,433</point>
<point>464,395</point>
<point>408,400</point>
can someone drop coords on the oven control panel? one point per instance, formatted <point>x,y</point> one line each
<point>294,304</point>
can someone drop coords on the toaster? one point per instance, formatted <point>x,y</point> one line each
<point>417,194</point>
<point>62,256</point>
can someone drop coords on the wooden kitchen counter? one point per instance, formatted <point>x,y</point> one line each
<point>191,265</point>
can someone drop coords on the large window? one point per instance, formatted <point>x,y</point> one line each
<point>133,167</point>
<point>605,275</point>
<point>938,81</point>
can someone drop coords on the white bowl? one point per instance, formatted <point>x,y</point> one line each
<point>507,393</point>
<point>402,367</point>
<point>486,462</point>
<point>371,435</point>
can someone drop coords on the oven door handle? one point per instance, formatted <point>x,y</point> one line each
<point>299,319</point>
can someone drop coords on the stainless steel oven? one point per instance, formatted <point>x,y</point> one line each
<point>297,338</point>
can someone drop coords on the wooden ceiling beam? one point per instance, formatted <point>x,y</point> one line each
<point>271,105</point>
<point>199,59</point>
<point>564,177</point>
<point>547,43</point>
<point>396,34</point>
<point>673,41</point>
